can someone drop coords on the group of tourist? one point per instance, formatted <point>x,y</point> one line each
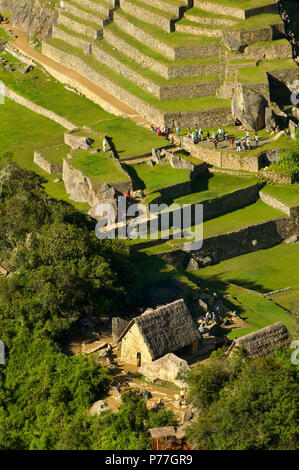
<point>240,144</point>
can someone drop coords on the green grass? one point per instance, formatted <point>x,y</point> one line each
<point>258,74</point>
<point>47,92</point>
<point>55,153</point>
<point>51,94</point>
<point>154,178</point>
<point>242,5</point>
<point>174,39</point>
<point>287,194</point>
<point>22,132</point>
<point>239,219</point>
<point>207,187</point>
<point>3,35</point>
<point>128,138</point>
<point>262,271</point>
<point>260,312</point>
<point>99,167</point>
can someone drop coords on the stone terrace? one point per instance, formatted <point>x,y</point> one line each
<point>166,58</point>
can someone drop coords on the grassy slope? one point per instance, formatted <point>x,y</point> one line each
<point>22,132</point>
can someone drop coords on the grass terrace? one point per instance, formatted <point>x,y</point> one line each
<point>258,74</point>
<point>99,167</point>
<point>174,39</point>
<point>208,186</point>
<point>128,138</point>
<point>22,132</point>
<point>55,153</point>
<point>154,178</point>
<point>287,194</point>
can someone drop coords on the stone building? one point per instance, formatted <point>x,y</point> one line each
<point>153,334</point>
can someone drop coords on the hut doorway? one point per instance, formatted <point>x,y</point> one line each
<point>138,359</point>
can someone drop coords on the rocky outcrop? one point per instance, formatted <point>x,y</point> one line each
<point>248,108</point>
<point>34,17</point>
<point>165,368</point>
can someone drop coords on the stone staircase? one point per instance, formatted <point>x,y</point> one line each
<point>163,58</point>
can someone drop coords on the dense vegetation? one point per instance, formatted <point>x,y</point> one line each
<point>59,273</point>
<point>289,162</point>
<point>245,404</point>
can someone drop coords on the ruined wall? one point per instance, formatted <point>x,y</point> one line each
<point>38,109</point>
<point>45,165</point>
<point>233,161</point>
<point>272,201</point>
<point>132,343</point>
<point>32,16</point>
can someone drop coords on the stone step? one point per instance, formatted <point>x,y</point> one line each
<point>176,7</point>
<point>241,13</point>
<point>150,82</point>
<point>164,20</point>
<point>79,26</point>
<point>59,31</point>
<point>187,112</point>
<point>152,38</point>
<point>190,27</point>
<point>166,69</point>
<point>200,16</point>
<point>102,7</point>
<point>83,14</point>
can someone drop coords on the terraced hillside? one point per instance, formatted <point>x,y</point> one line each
<point>172,60</point>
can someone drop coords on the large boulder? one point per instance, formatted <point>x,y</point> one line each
<point>98,407</point>
<point>248,107</point>
<point>165,368</point>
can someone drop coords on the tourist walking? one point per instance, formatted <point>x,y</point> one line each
<point>216,143</point>
<point>178,131</point>
<point>201,331</point>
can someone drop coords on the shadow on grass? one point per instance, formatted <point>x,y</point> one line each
<point>138,183</point>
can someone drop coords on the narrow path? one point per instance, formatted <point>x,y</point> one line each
<point>109,102</point>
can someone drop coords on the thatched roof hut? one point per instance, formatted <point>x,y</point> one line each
<point>262,342</point>
<point>158,332</point>
<point>169,438</point>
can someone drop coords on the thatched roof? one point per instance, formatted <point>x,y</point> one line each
<point>118,326</point>
<point>166,329</point>
<point>169,431</point>
<point>263,342</point>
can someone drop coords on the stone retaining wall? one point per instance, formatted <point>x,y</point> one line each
<point>148,16</point>
<point>83,15</point>
<point>273,202</point>
<point>225,246</point>
<point>207,118</point>
<point>38,109</point>
<point>43,163</point>
<point>68,38</point>
<point>278,178</point>
<point>8,47</point>
<point>269,52</point>
<point>236,12</point>
<point>236,161</point>
<point>80,28</point>
<point>171,53</point>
